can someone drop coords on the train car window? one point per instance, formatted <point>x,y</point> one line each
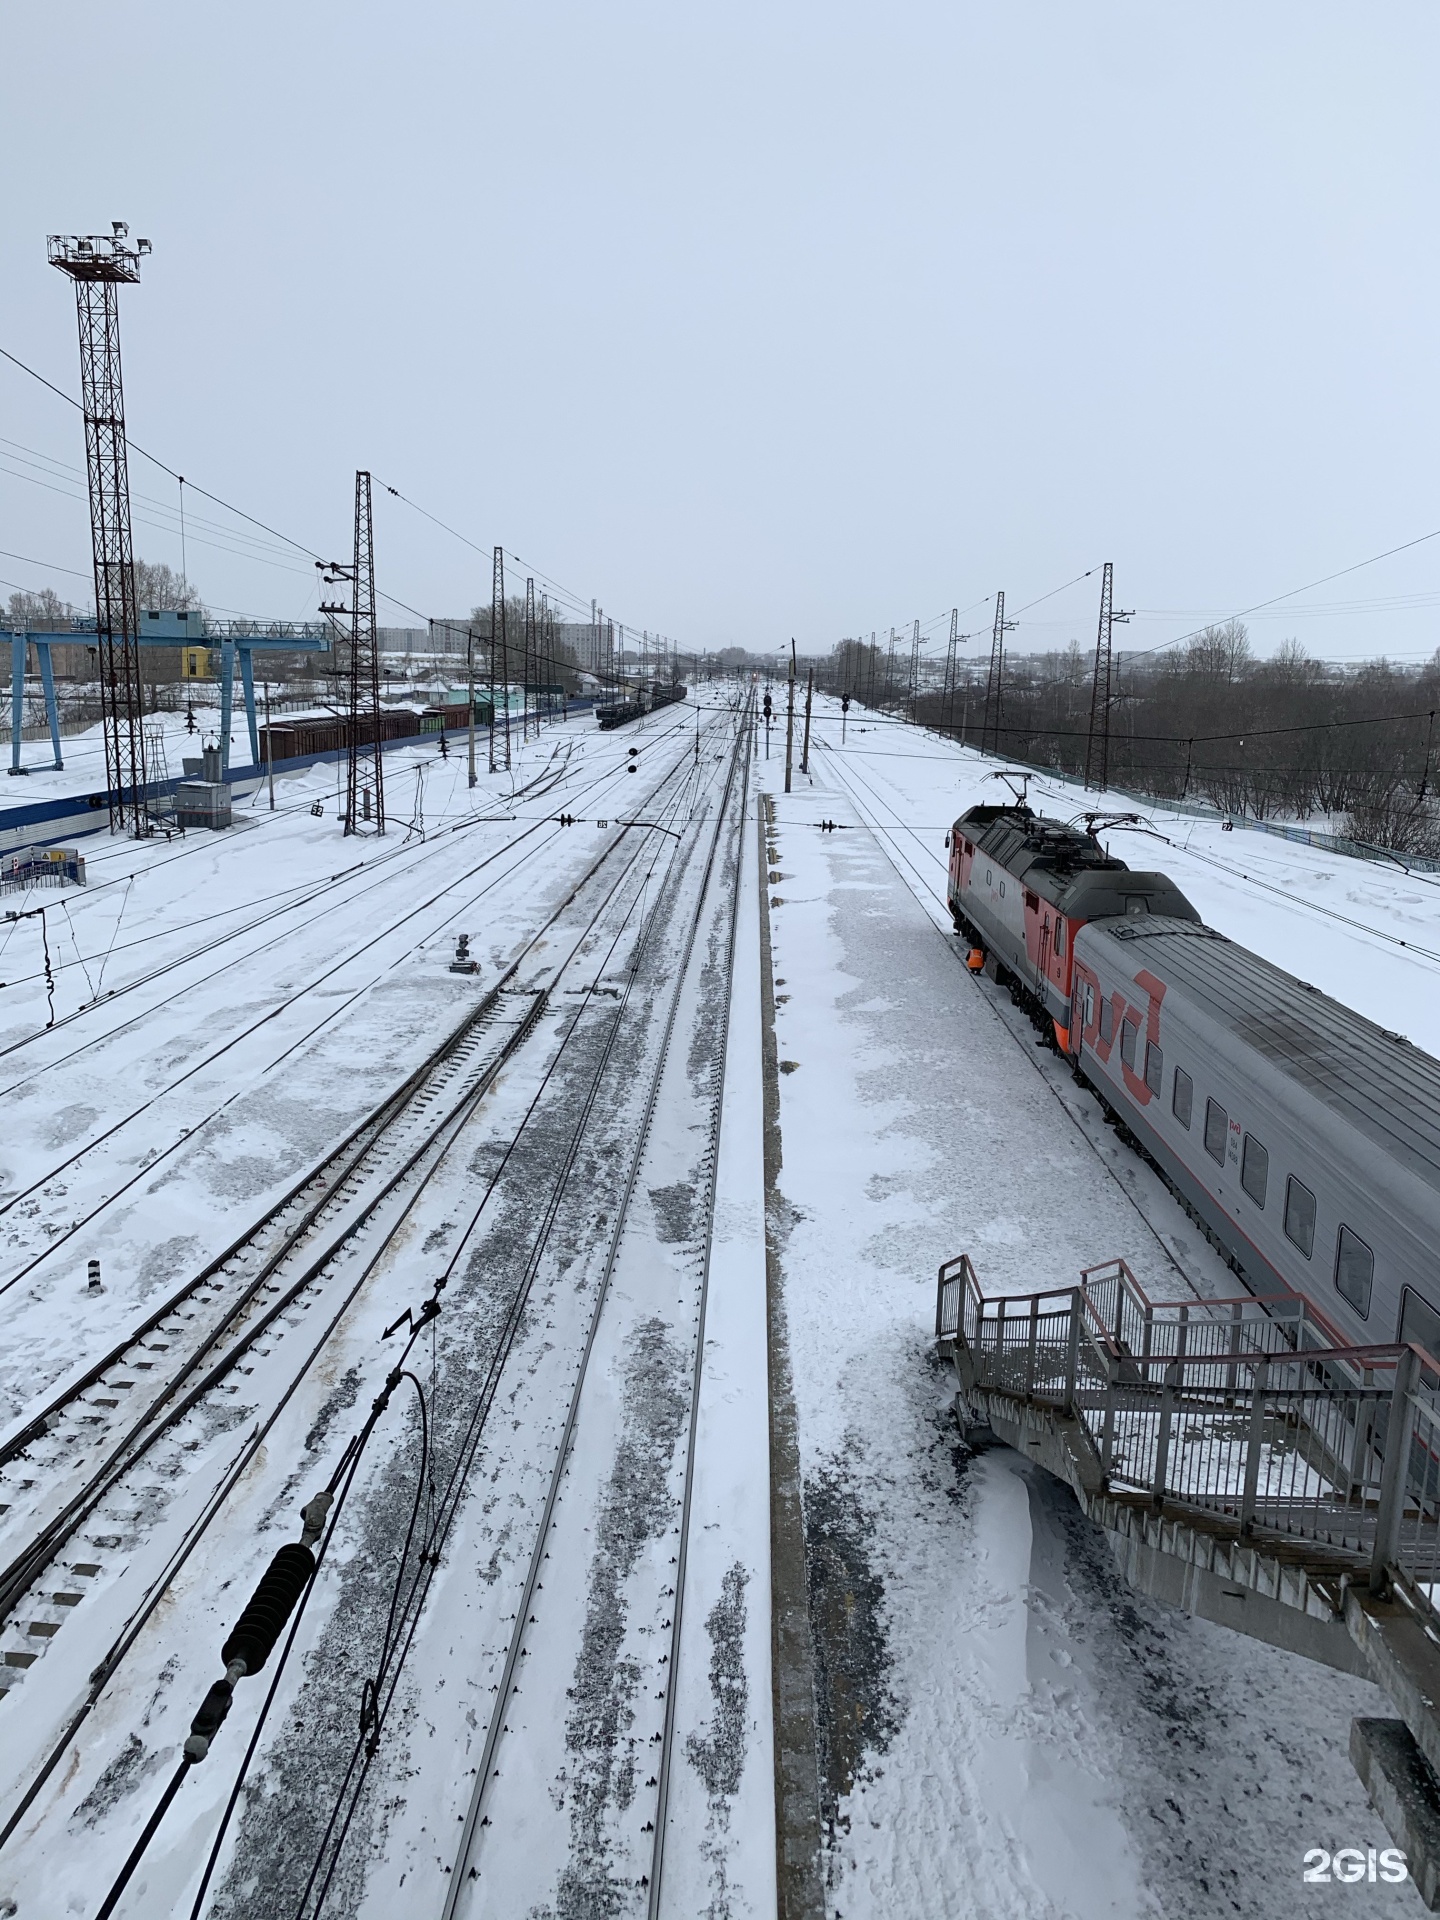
<point>987,876</point>
<point>1002,889</point>
<point>1182,1098</point>
<point>1300,1216</point>
<point>1089,1005</point>
<point>1129,1029</point>
<point>1254,1169</point>
<point>1217,1130</point>
<point>1354,1270</point>
<point>1107,1021</point>
<point>1154,1066</point>
<point>1419,1322</point>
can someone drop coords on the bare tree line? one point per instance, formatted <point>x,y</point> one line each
<point>1287,737</point>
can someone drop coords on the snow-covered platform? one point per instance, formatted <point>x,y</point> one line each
<point>1007,1727</point>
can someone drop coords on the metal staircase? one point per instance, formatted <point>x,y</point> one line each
<point>1247,1469</point>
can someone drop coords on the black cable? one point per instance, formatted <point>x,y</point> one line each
<point>479,1415</point>
<point>262,1614</point>
<point>137,1852</point>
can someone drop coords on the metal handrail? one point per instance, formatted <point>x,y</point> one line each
<point>1222,1413</point>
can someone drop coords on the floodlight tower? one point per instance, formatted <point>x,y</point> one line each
<point>99,265</point>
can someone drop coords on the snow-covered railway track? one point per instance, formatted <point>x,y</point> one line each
<point>68,1456</point>
<point>52,1207</point>
<point>140,1507</point>
<point>557,1811</point>
<point>571,1256</point>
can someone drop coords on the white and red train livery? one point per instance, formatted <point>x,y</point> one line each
<point>1305,1138</point>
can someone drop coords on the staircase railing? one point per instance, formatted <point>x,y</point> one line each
<point>1239,1410</point>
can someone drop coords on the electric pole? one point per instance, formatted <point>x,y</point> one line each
<point>994,683</point>
<point>790,717</point>
<point>950,671</point>
<point>497,619</point>
<point>99,265</point>
<point>269,748</point>
<point>1097,745</point>
<point>809,697</point>
<point>915,673</point>
<point>364,773</point>
<point>531,650</point>
<point>470,695</point>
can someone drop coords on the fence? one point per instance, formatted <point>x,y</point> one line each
<point>42,867</point>
<point>1247,1412</point>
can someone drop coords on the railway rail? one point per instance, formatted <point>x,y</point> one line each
<point>664,1282</point>
<point>316,1248</point>
<point>557,1312</point>
<point>44,1237</point>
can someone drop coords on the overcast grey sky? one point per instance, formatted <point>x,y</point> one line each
<point>758,319</point>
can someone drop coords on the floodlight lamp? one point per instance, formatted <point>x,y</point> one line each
<point>142,246</point>
<point>120,229</point>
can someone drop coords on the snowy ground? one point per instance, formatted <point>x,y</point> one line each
<point>1006,1730</point>
<point>1010,1731</point>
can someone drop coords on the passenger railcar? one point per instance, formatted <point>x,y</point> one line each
<point>1304,1138</point>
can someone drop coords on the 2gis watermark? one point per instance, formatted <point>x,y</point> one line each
<point>1350,1866</point>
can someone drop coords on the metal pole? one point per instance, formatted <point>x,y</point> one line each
<point>809,696</point>
<point>247,684</point>
<point>269,748</point>
<point>1394,1473</point>
<point>52,711</point>
<point>790,717</point>
<point>227,700</point>
<point>1162,1439</point>
<point>1072,1350</point>
<point>470,687</point>
<point>1260,1381</point>
<point>17,698</point>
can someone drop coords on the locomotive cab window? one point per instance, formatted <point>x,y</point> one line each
<point>1182,1097</point>
<point>1059,936</point>
<point>1129,1029</point>
<point>1254,1169</point>
<point>1354,1270</point>
<point>1300,1216</point>
<point>1154,1066</point>
<point>1217,1131</point>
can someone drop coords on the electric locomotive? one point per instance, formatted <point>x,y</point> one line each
<point>1021,887</point>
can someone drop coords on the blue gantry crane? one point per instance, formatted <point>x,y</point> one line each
<point>238,640</point>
